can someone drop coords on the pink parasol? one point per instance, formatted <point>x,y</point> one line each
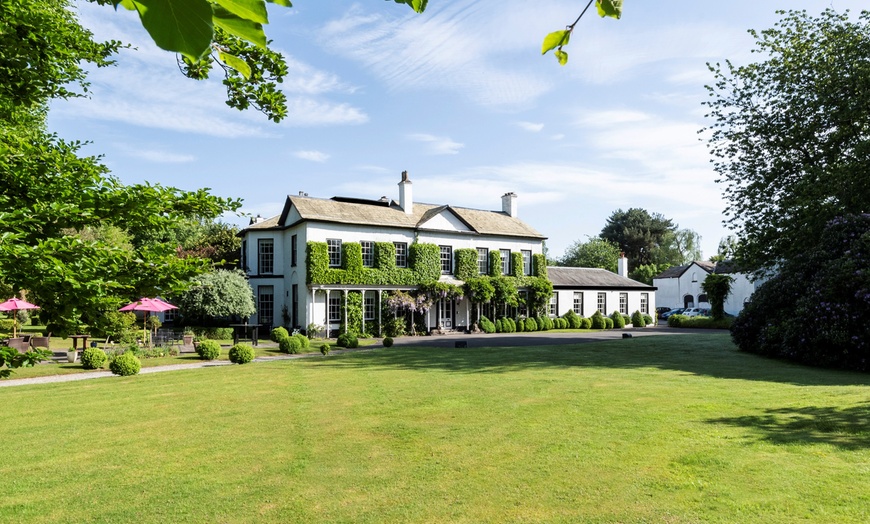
<point>15,304</point>
<point>147,305</point>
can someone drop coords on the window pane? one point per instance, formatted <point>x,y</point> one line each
<point>401,254</point>
<point>335,306</point>
<point>602,302</point>
<point>446,260</point>
<point>644,303</point>
<point>527,262</point>
<point>482,260</point>
<point>293,244</point>
<point>334,248</point>
<point>578,303</point>
<point>369,308</point>
<point>265,304</point>
<point>623,303</point>
<point>505,261</point>
<point>554,305</point>
<point>368,253</point>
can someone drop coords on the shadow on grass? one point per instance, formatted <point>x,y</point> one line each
<point>704,354</point>
<point>847,428</point>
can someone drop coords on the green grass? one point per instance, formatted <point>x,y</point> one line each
<point>676,429</point>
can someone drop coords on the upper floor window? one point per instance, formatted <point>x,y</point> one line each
<point>446,260</point>
<point>401,254</point>
<point>482,260</point>
<point>243,260</point>
<point>265,256</point>
<point>368,253</point>
<point>293,245</point>
<point>505,261</point>
<point>334,249</point>
<point>527,262</point>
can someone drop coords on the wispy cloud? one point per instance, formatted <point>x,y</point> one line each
<point>156,155</point>
<point>313,156</point>
<point>437,145</point>
<point>530,126</point>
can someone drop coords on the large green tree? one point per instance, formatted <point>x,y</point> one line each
<point>595,252</point>
<point>638,233</point>
<point>790,137</point>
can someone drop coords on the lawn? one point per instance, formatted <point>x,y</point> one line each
<point>676,429</point>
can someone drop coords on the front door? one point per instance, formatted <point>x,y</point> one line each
<point>445,314</point>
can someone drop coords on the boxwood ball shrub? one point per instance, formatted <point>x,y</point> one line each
<point>241,353</point>
<point>647,319</point>
<point>676,320</point>
<point>388,342</point>
<point>290,345</point>
<point>347,340</point>
<point>598,321</point>
<point>125,364</point>
<point>618,321</point>
<point>278,333</point>
<point>208,349</point>
<point>608,323</point>
<point>325,349</point>
<point>304,342</point>
<point>637,319</point>
<point>93,358</point>
<point>585,323</point>
<point>531,324</point>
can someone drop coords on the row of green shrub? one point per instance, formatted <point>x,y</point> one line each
<point>288,343</point>
<point>570,320</point>
<point>682,321</point>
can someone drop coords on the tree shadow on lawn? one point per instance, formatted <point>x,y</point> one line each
<point>711,355</point>
<point>847,428</point>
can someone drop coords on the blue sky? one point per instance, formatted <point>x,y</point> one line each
<point>459,96</point>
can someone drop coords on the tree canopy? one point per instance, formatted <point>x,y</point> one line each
<point>637,233</point>
<point>790,138</point>
<point>595,252</point>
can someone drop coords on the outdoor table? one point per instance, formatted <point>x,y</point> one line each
<point>243,329</point>
<point>83,338</point>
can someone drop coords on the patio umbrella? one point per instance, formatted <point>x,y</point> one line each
<point>15,304</point>
<point>147,305</point>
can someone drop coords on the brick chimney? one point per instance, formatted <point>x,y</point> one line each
<point>509,204</point>
<point>406,195</point>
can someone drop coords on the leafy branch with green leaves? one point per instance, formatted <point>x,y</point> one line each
<point>557,39</point>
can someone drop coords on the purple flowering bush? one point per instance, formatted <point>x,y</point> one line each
<point>815,309</point>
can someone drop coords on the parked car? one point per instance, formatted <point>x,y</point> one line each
<point>696,312</point>
<point>661,310</point>
<point>678,311</point>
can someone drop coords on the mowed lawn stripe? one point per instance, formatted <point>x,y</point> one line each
<point>656,429</point>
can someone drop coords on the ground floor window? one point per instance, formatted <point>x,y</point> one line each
<point>553,308</point>
<point>644,303</point>
<point>369,306</point>
<point>602,303</point>
<point>578,303</point>
<point>265,304</point>
<point>623,303</point>
<point>524,299</point>
<point>335,306</point>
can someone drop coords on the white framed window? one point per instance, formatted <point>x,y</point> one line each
<point>335,306</point>
<point>334,249</point>
<point>527,262</point>
<point>553,308</point>
<point>482,260</point>
<point>602,303</point>
<point>578,302</point>
<point>369,306</point>
<point>644,303</point>
<point>265,256</point>
<point>623,303</point>
<point>265,305</point>
<point>446,260</point>
<point>401,254</point>
<point>368,253</point>
<point>505,261</point>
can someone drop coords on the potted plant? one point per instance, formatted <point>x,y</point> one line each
<point>71,355</point>
<point>187,337</point>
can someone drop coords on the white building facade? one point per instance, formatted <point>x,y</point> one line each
<point>681,286</point>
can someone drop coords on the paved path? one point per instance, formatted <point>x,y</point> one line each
<point>540,338</point>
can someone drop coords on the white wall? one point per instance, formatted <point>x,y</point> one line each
<point>590,301</point>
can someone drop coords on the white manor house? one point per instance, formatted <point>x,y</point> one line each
<point>307,265</point>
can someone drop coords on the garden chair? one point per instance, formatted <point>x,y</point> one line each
<point>19,344</point>
<point>40,342</point>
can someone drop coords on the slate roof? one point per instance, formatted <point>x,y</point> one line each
<point>677,271</point>
<point>389,214</point>
<point>592,278</point>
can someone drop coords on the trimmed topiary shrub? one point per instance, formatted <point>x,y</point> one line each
<point>531,324</point>
<point>608,323</point>
<point>93,358</point>
<point>347,340</point>
<point>572,318</point>
<point>618,320</point>
<point>598,321</point>
<point>498,326</point>
<point>241,353</point>
<point>208,349</point>
<point>278,333</point>
<point>290,345</point>
<point>585,323</point>
<point>125,364</point>
<point>637,319</point>
<point>388,342</point>
<point>325,349</point>
<point>647,319</point>
<point>486,325</point>
<point>676,320</point>
<point>304,342</point>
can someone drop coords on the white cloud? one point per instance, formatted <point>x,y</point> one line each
<point>437,145</point>
<point>156,155</point>
<point>313,156</point>
<point>530,126</point>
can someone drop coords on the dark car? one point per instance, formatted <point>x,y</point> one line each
<point>661,310</point>
<point>677,311</point>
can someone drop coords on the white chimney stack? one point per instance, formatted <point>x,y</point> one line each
<point>622,265</point>
<point>509,204</point>
<point>406,195</point>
